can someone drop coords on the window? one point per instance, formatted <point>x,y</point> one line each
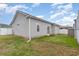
<point>37,28</point>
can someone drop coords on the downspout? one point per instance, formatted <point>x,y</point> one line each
<point>29,30</point>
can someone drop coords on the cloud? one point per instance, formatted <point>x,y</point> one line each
<point>40,16</point>
<point>55,4</point>
<point>63,14</point>
<point>5,8</point>
<point>65,21</point>
<point>62,7</point>
<point>12,9</point>
<point>35,4</point>
<point>2,6</point>
<point>56,15</point>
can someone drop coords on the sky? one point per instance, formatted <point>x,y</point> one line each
<point>59,13</point>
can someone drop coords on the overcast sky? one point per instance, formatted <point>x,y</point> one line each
<point>62,13</point>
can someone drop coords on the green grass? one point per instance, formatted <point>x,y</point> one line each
<point>12,45</point>
<point>60,39</point>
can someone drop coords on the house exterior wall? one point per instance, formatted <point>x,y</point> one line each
<point>71,32</point>
<point>21,27</point>
<point>42,28</point>
<point>76,28</point>
<point>55,29</point>
<point>77,35</point>
<point>63,31</point>
<point>5,31</point>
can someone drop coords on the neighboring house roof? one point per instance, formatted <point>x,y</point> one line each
<point>67,27</point>
<point>5,26</point>
<point>37,18</point>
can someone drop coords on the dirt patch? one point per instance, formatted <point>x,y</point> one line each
<point>45,48</point>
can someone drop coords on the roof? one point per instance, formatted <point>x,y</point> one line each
<point>40,19</point>
<point>33,17</point>
<point>66,27</point>
<point>5,26</point>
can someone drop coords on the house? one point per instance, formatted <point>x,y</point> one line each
<point>5,29</point>
<point>76,28</point>
<point>70,31</point>
<point>26,25</point>
<point>59,29</point>
<point>29,26</point>
<point>55,29</point>
<point>63,30</point>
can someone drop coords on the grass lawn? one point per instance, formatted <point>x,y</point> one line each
<point>60,39</point>
<point>46,46</point>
